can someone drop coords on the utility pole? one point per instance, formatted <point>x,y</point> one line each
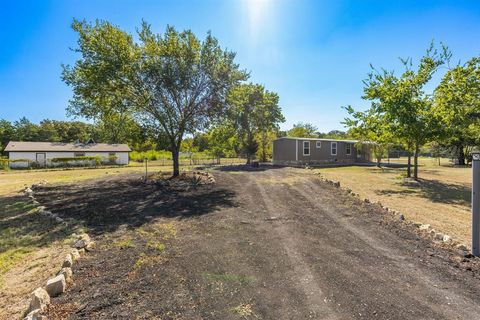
<point>476,203</point>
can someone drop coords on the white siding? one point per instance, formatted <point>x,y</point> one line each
<point>122,157</point>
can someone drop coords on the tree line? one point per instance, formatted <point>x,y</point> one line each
<point>403,113</point>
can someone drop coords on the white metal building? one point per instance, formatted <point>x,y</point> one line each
<point>22,154</point>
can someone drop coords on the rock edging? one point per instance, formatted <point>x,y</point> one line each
<point>55,286</point>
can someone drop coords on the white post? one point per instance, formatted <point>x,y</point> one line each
<point>476,203</point>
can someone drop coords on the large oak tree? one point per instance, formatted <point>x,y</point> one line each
<point>173,80</point>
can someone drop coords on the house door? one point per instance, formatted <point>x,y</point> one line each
<point>41,159</point>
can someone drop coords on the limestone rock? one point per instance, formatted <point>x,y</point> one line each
<point>39,300</point>
<point>85,237</point>
<point>424,227</point>
<point>68,261</point>
<point>75,254</point>
<point>90,246</point>
<point>56,286</point>
<point>35,315</point>
<point>80,244</point>
<point>439,236</point>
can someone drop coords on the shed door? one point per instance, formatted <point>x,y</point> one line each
<point>40,158</point>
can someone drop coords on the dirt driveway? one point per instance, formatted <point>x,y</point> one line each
<point>266,244</point>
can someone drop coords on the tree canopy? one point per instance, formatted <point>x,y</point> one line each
<point>173,81</point>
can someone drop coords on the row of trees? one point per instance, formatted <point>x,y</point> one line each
<point>402,112</point>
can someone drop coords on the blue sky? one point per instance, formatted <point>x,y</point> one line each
<point>315,54</point>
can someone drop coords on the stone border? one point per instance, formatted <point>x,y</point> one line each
<point>425,229</point>
<point>55,286</point>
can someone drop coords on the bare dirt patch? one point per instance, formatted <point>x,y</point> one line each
<point>263,244</point>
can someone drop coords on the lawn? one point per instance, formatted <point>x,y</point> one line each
<point>440,198</point>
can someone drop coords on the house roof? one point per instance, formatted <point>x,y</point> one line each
<point>318,139</point>
<point>65,147</point>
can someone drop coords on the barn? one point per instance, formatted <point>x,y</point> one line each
<point>317,151</point>
<point>23,154</point>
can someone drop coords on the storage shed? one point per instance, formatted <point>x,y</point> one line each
<point>22,154</point>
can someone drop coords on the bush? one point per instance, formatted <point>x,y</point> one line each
<point>77,161</point>
<point>4,163</point>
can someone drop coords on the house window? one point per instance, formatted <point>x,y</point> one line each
<point>349,149</point>
<point>79,154</point>
<point>334,148</point>
<point>306,148</point>
<point>318,144</point>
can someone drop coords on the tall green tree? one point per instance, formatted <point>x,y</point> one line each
<point>254,111</point>
<point>402,102</point>
<point>303,130</point>
<point>457,107</point>
<point>174,80</point>
<point>370,129</point>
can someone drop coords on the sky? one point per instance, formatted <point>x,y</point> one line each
<point>314,54</point>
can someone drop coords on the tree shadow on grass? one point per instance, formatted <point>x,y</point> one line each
<point>435,191</point>
<point>104,205</point>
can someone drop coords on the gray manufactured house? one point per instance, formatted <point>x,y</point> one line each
<point>313,151</point>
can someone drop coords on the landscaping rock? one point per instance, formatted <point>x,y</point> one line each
<point>402,217</point>
<point>81,251</point>
<point>56,286</point>
<point>424,227</point>
<point>336,184</point>
<point>438,236</point>
<point>462,247</point>
<point>84,236</point>
<point>28,190</point>
<point>90,246</point>
<point>67,273</point>
<point>35,315</point>
<point>80,244</point>
<point>366,200</point>
<point>39,300</point>
<point>59,220</point>
<point>75,254</point>
<point>446,238</point>
<point>68,261</point>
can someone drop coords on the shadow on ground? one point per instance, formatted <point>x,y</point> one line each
<point>104,205</point>
<point>247,168</point>
<point>434,190</point>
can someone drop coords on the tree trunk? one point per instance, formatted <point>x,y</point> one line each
<point>415,162</point>
<point>409,164</point>
<point>249,158</point>
<point>176,164</point>
<point>461,155</point>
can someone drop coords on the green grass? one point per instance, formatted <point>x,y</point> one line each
<point>440,198</point>
<point>23,230</point>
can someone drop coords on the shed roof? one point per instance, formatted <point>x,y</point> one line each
<point>26,146</point>
<point>319,139</point>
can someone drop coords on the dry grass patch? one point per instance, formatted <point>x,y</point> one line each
<point>440,198</point>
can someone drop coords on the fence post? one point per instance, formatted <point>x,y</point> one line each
<point>476,203</point>
<point>146,169</point>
